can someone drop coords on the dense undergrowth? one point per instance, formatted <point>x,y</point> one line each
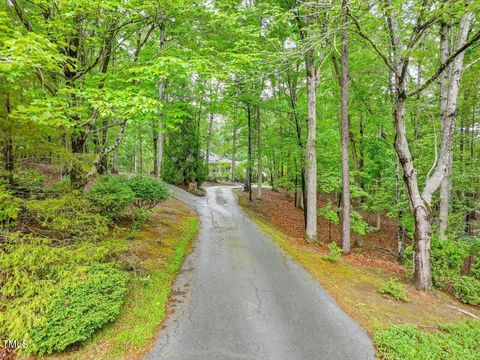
<point>62,271</point>
<point>451,341</point>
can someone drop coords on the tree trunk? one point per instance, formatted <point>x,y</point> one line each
<point>450,87</point>
<point>8,154</point>
<point>345,136</point>
<point>234,148</point>
<point>421,210</point>
<point>209,139</point>
<point>115,162</point>
<point>77,177</point>
<point>311,160</point>
<point>135,156</point>
<point>160,138</point>
<point>250,160</point>
<point>259,154</point>
<point>140,153</point>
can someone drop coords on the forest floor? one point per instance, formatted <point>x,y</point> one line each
<point>354,280</point>
<point>154,256</point>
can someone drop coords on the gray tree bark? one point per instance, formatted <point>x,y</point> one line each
<point>234,147</point>
<point>259,155</point>
<point>311,175</point>
<point>209,139</point>
<point>449,88</point>
<point>345,135</point>
<point>160,138</point>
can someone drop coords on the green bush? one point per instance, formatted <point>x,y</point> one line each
<point>30,181</point>
<point>9,208</point>
<point>335,253</point>
<point>329,214</point>
<point>140,216</point>
<point>284,183</point>
<point>447,259</point>
<point>148,191</point>
<point>33,273</point>
<point>68,217</point>
<point>62,187</point>
<point>395,289</point>
<point>111,196</point>
<point>467,289</point>
<point>358,224</point>
<point>78,309</point>
<point>452,342</point>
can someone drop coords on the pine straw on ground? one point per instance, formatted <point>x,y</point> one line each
<point>378,248</point>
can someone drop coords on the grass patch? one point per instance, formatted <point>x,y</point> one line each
<point>155,255</point>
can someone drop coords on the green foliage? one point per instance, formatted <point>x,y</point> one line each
<point>284,183</point>
<point>79,308</point>
<point>111,196</point>
<point>9,208</point>
<point>149,191</point>
<point>467,289</point>
<point>68,217</point>
<point>395,289</point>
<point>329,214</point>
<point>62,187</point>
<point>447,259</point>
<point>330,183</point>
<point>451,342</point>
<point>358,224</point>
<point>184,162</point>
<point>33,272</point>
<point>31,181</point>
<point>335,253</point>
<point>139,217</point>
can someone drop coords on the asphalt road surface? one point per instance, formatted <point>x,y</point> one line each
<point>240,297</point>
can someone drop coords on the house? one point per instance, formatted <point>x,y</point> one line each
<point>220,168</point>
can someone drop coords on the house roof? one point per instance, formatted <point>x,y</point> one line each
<point>214,159</point>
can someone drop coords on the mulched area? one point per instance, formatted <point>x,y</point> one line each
<point>376,249</point>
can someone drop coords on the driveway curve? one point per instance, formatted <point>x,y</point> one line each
<point>240,297</point>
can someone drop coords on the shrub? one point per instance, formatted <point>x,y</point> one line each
<point>447,259</point>
<point>452,342</point>
<point>111,196</point>
<point>329,214</point>
<point>335,253</point>
<point>33,273</point>
<point>467,289</point>
<point>358,224</point>
<point>9,208</point>
<point>80,308</point>
<point>395,289</point>
<point>30,181</point>
<point>68,217</point>
<point>148,191</point>
<point>62,187</point>
<point>284,183</point>
<point>139,217</point>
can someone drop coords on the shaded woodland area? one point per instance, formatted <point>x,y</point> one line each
<point>369,106</point>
